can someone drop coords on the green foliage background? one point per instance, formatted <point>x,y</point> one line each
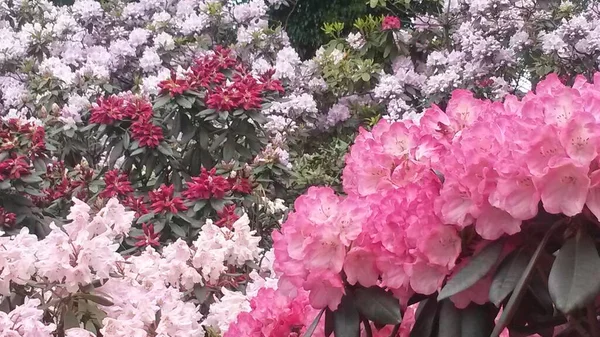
<point>304,19</point>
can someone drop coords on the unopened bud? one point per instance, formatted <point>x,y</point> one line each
<point>55,108</point>
<point>43,112</point>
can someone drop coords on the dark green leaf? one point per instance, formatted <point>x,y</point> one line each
<point>257,116</point>
<point>378,305</point>
<point>31,179</point>
<point>145,217</point>
<point>450,320</point>
<point>218,141</point>
<point>521,288</point>
<point>475,269</point>
<point>229,149</point>
<point>311,329</point>
<point>328,322</point>
<point>70,320</point>
<point>507,276</point>
<point>177,230</point>
<point>165,149</point>
<point>115,153</point>
<point>97,299</point>
<point>346,321</point>
<point>161,101</point>
<point>573,280</point>
<point>201,292</point>
<point>184,102</point>
<point>425,318</point>
<point>39,164</point>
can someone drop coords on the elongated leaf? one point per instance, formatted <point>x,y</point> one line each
<point>161,101</point>
<point>115,153</point>
<point>574,280</point>
<point>70,320</point>
<point>521,287</point>
<point>328,322</point>
<point>378,305</point>
<point>476,321</point>
<point>145,217</point>
<point>346,321</point>
<point>450,320</point>
<point>97,299</point>
<point>311,329</point>
<point>508,275</point>
<point>473,321</point>
<point>475,269</point>
<point>425,318</point>
<point>184,102</point>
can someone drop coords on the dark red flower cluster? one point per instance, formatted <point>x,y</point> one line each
<point>108,110</point>
<point>227,216</point>
<point>65,184</point>
<point>133,109</point>
<point>146,133</point>
<point>163,201</point>
<point>246,92</point>
<point>137,108</point>
<point>390,23</point>
<point>117,184</point>
<point>7,219</point>
<point>149,238</point>
<point>240,184</point>
<point>207,185</point>
<point>136,204</point>
<point>14,168</point>
<point>174,86</point>
<point>26,138</point>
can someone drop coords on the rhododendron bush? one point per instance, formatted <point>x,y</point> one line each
<point>483,211</point>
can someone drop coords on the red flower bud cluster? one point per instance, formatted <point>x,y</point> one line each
<point>210,185</point>
<point>209,73</point>
<point>117,184</point>
<point>7,219</point>
<point>390,23</point>
<point>136,110</point>
<point>163,201</point>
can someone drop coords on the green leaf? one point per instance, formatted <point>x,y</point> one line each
<point>31,179</point>
<point>425,318</point>
<point>145,217</point>
<point>165,149</point>
<point>475,269</point>
<point>177,230</point>
<point>573,280</point>
<point>229,149</point>
<point>161,101</point>
<point>473,321</point>
<point>328,322</point>
<point>378,305</point>
<point>184,102</point>
<point>70,320</point>
<point>366,77</point>
<point>115,153</point>
<point>311,329</point>
<point>97,299</point>
<point>40,165</point>
<point>521,288</point>
<point>449,320</point>
<point>346,321</point>
<point>507,276</point>
<point>201,292</point>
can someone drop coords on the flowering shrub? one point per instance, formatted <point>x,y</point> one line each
<point>74,280</point>
<point>456,211</point>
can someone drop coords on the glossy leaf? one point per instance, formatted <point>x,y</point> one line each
<point>521,287</point>
<point>573,280</point>
<point>507,276</point>
<point>425,318</point>
<point>378,305</point>
<point>346,321</point>
<point>473,321</point>
<point>475,269</point>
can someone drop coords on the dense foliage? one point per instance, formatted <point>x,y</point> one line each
<point>149,152</point>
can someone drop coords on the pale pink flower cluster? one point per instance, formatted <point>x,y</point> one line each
<point>25,321</point>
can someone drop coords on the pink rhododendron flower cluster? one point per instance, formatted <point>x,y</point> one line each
<point>413,185</point>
